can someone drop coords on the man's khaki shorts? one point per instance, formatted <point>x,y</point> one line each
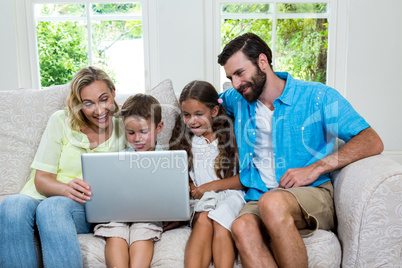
<point>316,203</point>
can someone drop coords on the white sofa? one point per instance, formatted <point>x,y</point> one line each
<point>368,193</point>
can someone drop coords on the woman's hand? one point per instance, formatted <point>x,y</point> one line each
<point>78,190</point>
<point>199,191</point>
<point>47,184</point>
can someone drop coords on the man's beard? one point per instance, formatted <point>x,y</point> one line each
<point>256,86</point>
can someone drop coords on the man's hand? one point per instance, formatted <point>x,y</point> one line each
<point>366,143</point>
<point>296,177</point>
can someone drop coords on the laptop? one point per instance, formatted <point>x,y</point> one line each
<point>137,186</point>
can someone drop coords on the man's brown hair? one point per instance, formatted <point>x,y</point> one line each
<point>250,44</point>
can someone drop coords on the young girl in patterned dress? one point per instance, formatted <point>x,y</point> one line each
<point>206,133</point>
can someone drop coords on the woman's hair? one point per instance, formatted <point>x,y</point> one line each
<point>222,127</point>
<point>83,78</point>
<point>142,105</point>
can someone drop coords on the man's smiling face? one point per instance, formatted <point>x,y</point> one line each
<point>246,78</point>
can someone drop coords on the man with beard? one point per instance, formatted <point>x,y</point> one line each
<point>285,131</point>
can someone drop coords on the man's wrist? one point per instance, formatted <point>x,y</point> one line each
<point>321,167</point>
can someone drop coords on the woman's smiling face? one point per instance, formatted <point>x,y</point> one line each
<point>98,104</point>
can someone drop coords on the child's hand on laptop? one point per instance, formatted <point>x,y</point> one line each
<point>78,190</point>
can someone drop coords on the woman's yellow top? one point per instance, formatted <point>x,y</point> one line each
<point>60,150</point>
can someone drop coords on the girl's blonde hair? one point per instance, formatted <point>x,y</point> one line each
<point>84,77</point>
<point>226,161</point>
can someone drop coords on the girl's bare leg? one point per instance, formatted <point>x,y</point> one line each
<point>223,248</point>
<point>116,252</point>
<point>141,253</point>
<point>199,246</point>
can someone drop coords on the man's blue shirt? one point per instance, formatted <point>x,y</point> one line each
<point>307,119</point>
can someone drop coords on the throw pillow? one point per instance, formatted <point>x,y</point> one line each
<point>164,93</point>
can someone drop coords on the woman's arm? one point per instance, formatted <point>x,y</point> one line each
<point>47,185</point>
<point>231,183</point>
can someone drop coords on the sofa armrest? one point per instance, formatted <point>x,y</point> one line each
<point>368,204</point>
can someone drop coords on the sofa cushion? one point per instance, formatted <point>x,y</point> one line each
<point>92,250</point>
<point>323,249</point>
<point>168,252</point>
<point>23,117</point>
<point>165,94</point>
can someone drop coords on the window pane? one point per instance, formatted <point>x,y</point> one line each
<point>53,10</point>
<point>117,8</point>
<point>302,8</point>
<point>116,42</point>
<point>301,48</point>
<point>231,28</point>
<point>246,9</point>
<point>62,48</point>
<point>118,49</point>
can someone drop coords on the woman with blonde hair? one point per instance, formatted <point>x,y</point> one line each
<point>51,202</point>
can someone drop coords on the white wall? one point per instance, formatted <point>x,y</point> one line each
<point>178,45</point>
<point>8,49</point>
<point>374,68</point>
<point>181,41</point>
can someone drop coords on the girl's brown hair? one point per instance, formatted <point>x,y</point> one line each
<point>222,127</point>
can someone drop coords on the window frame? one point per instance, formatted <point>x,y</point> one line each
<point>31,37</point>
<point>213,35</point>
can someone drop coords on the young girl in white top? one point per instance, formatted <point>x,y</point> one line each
<point>206,133</point>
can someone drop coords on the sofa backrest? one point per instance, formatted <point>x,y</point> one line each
<point>23,117</point>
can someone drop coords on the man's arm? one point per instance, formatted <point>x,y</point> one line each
<point>366,143</point>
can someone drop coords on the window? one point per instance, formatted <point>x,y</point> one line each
<point>296,31</point>
<point>72,34</point>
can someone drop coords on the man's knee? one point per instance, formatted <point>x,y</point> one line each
<point>275,202</point>
<point>244,226</point>
<point>238,227</point>
<point>278,209</point>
